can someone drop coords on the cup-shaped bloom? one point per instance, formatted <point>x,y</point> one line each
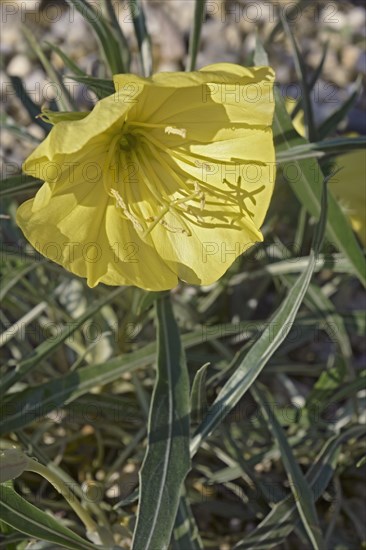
<point>169,178</point>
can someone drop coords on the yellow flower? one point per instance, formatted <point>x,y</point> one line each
<point>168,178</point>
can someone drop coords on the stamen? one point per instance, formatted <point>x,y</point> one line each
<point>180,182</point>
<point>157,219</point>
<point>182,132</point>
<point>146,171</point>
<point>173,229</point>
<point>121,204</point>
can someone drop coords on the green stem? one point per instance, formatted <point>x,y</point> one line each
<point>63,489</point>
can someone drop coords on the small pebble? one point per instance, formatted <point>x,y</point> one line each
<point>357,18</point>
<point>19,66</point>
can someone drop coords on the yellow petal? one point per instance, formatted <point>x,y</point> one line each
<point>81,229</point>
<point>68,138</point>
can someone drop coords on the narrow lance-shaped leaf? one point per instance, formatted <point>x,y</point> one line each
<point>112,19</point>
<point>299,486</point>
<point>331,123</point>
<point>32,108</point>
<point>110,45</point>
<point>278,524</point>
<point>68,62</point>
<point>142,35</point>
<point>313,80</point>
<point>186,535</point>
<point>64,100</point>
<point>198,394</point>
<point>102,87</point>
<point>194,41</point>
<point>167,460</point>
<point>20,183</point>
<point>321,148</point>
<point>302,76</point>
<point>24,517</point>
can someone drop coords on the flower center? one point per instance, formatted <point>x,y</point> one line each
<point>149,191</point>
<point>127,142</point>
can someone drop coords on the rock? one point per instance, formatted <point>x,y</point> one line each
<point>165,34</point>
<point>350,56</point>
<point>181,12</point>
<point>19,66</point>
<point>282,74</point>
<point>332,17</point>
<point>356,19</point>
<point>36,131</point>
<point>36,86</point>
<point>168,66</point>
<point>233,38</point>
<point>61,27</point>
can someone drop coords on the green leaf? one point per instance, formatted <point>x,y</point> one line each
<point>167,459</point>
<point>18,184</point>
<point>111,46</point>
<point>63,99</point>
<point>321,148</point>
<point>23,408</point>
<point>47,347</point>
<point>194,40</point>
<point>12,278</point>
<point>335,325</point>
<point>251,364</point>
<point>302,76</point>
<point>32,108</point>
<point>305,178</point>
<point>361,462</point>
<point>142,35</point>
<point>113,21</point>
<point>198,394</point>
<point>24,517</point>
<point>336,262</point>
<point>18,131</point>
<point>331,123</point>
<point>313,80</point>
<point>101,86</point>
<point>278,524</point>
<point>298,484</point>
<point>290,14</point>
<point>347,390</point>
<point>12,464</point>
<point>185,534</point>
<point>69,63</point>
